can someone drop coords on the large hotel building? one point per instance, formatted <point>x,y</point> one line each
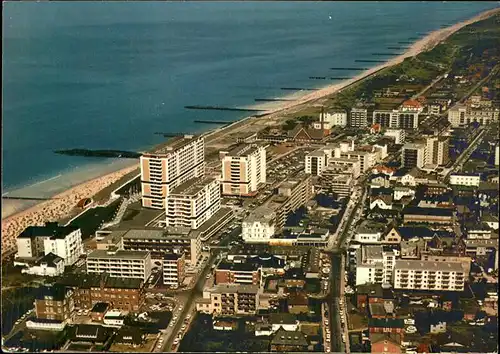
<point>167,168</point>
<point>243,170</point>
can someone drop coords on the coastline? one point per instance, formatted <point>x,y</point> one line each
<point>36,214</point>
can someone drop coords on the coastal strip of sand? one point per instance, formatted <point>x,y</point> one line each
<point>56,209</point>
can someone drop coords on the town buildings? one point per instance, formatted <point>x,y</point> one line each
<point>335,118</point>
<point>358,117</point>
<point>259,225</point>
<point>37,241</point>
<point>229,299</point>
<point>55,303</point>
<point>243,170</point>
<point>120,264</point>
<point>193,203</point>
<point>413,155</point>
<point>399,135</point>
<point>428,275</point>
<point>174,269</point>
<point>237,273</point>
<point>465,179</point>
<point>464,114</point>
<point>167,168</point>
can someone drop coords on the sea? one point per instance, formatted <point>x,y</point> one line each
<point>109,75</point>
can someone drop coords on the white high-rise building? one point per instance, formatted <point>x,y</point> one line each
<point>497,155</point>
<point>375,264</point>
<point>165,169</point>
<point>259,226</point>
<point>243,170</point>
<point>398,134</point>
<point>193,202</point>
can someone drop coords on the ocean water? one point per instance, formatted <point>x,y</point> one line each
<point>108,75</point>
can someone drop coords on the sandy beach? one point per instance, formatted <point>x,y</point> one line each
<point>54,210</point>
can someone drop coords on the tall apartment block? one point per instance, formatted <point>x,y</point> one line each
<point>437,150</point>
<point>359,117</point>
<point>413,155</point>
<point>243,170</point>
<point>167,168</point>
<point>193,202</point>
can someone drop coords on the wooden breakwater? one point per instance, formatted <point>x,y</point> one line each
<point>272,100</point>
<point>329,78</point>
<point>369,61</point>
<point>100,153</point>
<point>220,108</point>
<point>297,89</point>
<point>397,48</point>
<point>405,42</point>
<point>361,69</point>
<point>28,198</point>
<point>387,54</point>
<point>170,135</point>
<point>204,121</point>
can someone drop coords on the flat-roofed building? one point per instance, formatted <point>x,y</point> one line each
<point>354,164</point>
<point>338,179</point>
<point>161,242</point>
<point>366,159</point>
<point>120,263</point>
<point>413,155</point>
<point>237,273</point>
<point>465,179</point>
<point>259,225</point>
<point>316,162</point>
<point>243,170</point>
<point>291,195</point>
<point>335,118</point>
<point>63,241</point>
<point>375,264</point>
<point>427,275</point>
<point>462,115</point>
<point>55,303</point>
<point>428,215</point>
<point>399,135</point>
<point>126,294</point>
<point>358,117</point>
<point>299,236</point>
<point>174,269</point>
<point>193,202</point>
<point>229,299</point>
<point>164,169</point>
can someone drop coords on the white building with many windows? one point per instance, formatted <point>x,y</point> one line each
<point>375,264</point>
<point>63,241</point>
<point>164,169</point>
<point>120,263</point>
<point>428,275</point>
<point>465,179</point>
<point>259,226</point>
<point>193,202</point>
<point>335,118</point>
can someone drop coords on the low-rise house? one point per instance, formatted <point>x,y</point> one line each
<point>114,318</point>
<point>49,265</point>
<point>298,302</point>
<point>386,325</point>
<point>289,341</point>
<point>369,232</point>
<point>131,336</point>
<point>286,321</point>
<point>98,311</point>
<point>428,215</point>
<point>385,343</point>
<point>86,333</point>
<point>55,303</point>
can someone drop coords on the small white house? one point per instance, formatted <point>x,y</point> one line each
<point>465,179</point>
<point>114,318</point>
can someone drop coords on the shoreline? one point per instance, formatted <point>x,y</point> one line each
<point>35,214</point>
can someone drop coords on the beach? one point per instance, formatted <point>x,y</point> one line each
<point>53,210</point>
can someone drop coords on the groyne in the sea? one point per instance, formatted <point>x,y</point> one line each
<point>100,153</point>
<point>297,89</point>
<point>220,108</point>
<point>387,54</point>
<point>369,61</point>
<point>28,198</point>
<point>397,48</point>
<point>360,69</point>
<point>213,121</point>
<point>272,100</point>
<point>170,135</point>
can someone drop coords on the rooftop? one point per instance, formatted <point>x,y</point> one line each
<point>428,265</point>
<point>237,267</point>
<point>192,186</point>
<point>235,288</point>
<point>428,211</point>
<point>51,229</point>
<point>172,145</point>
<point>292,338</point>
<point>160,234</point>
<point>118,254</point>
<point>243,150</point>
<point>262,214</point>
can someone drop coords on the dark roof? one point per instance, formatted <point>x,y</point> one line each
<point>57,292</point>
<point>408,232</point>
<point>292,338</point>
<point>100,307</point>
<point>386,322</point>
<point>129,335</point>
<point>173,256</point>
<point>51,229</point>
<point>282,318</point>
<point>90,333</point>
<point>382,191</point>
<point>268,261</point>
<point>390,337</point>
<point>50,259</point>
<point>87,281</point>
<point>428,211</point>
<point>298,299</point>
<point>239,267</point>
<point>374,290</point>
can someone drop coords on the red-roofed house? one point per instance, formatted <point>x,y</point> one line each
<point>411,105</point>
<point>383,170</point>
<point>375,128</point>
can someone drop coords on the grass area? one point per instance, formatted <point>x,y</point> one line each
<point>104,194</point>
<point>12,277</point>
<point>130,214</point>
<point>90,221</point>
<point>357,321</point>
